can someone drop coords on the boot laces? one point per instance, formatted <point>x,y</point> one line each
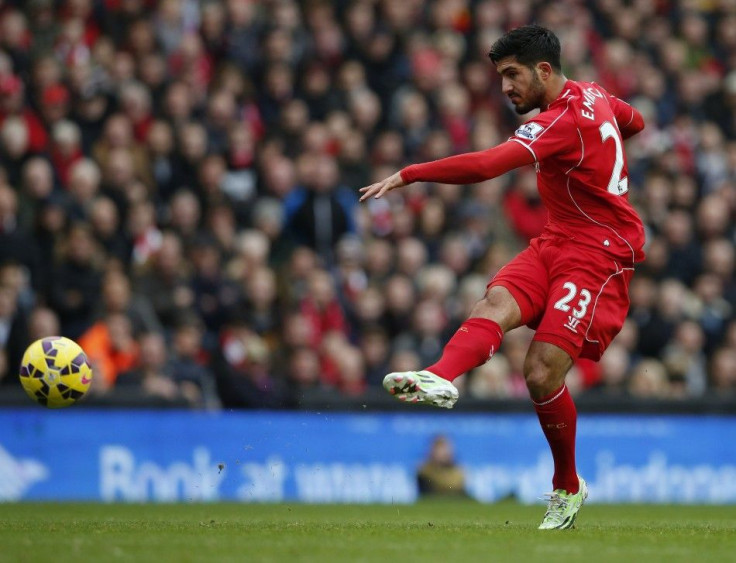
<point>556,504</point>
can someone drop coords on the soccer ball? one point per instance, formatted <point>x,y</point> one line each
<point>55,372</point>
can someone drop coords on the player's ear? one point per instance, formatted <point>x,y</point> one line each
<point>544,70</point>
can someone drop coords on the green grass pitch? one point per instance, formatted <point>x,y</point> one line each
<point>429,531</point>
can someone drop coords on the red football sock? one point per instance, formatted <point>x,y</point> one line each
<point>472,345</point>
<point>558,418</point>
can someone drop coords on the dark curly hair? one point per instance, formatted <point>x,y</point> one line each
<point>529,44</point>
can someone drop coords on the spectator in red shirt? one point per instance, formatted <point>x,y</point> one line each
<point>321,307</point>
<point>523,206</point>
<point>12,103</point>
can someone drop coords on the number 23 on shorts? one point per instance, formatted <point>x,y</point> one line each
<point>575,302</point>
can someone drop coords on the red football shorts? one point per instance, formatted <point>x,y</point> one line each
<point>574,297</point>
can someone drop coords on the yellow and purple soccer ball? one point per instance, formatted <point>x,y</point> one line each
<point>55,372</point>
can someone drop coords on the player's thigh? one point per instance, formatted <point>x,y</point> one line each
<point>526,279</point>
<point>587,299</point>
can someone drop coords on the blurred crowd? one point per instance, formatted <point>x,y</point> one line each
<point>178,190</point>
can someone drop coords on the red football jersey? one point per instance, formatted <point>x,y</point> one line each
<point>581,169</point>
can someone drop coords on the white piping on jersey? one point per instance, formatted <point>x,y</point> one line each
<point>629,121</point>
<point>567,107</point>
<point>582,145</point>
<point>597,297</point>
<point>630,106</point>
<point>615,232</point>
<point>527,147</point>
<point>582,152</point>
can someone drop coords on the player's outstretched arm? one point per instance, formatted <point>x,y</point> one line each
<point>468,168</point>
<point>379,188</point>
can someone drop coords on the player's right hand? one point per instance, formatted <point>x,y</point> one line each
<point>379,188</point>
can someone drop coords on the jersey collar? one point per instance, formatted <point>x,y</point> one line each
<point>567,91</point>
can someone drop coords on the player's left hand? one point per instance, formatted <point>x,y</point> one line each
<point>379,188</point>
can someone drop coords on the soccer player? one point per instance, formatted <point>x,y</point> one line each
<point>571,283</point>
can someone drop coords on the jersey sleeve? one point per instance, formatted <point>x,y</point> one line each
<point>549,133</point>
<point>469,168</point>
<point>628,118</point>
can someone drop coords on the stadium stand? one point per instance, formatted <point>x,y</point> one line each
<point>178,188</point>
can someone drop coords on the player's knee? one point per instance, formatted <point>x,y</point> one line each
<point>499,306</point>
<point>537,379</point>
<point>541,377</point>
